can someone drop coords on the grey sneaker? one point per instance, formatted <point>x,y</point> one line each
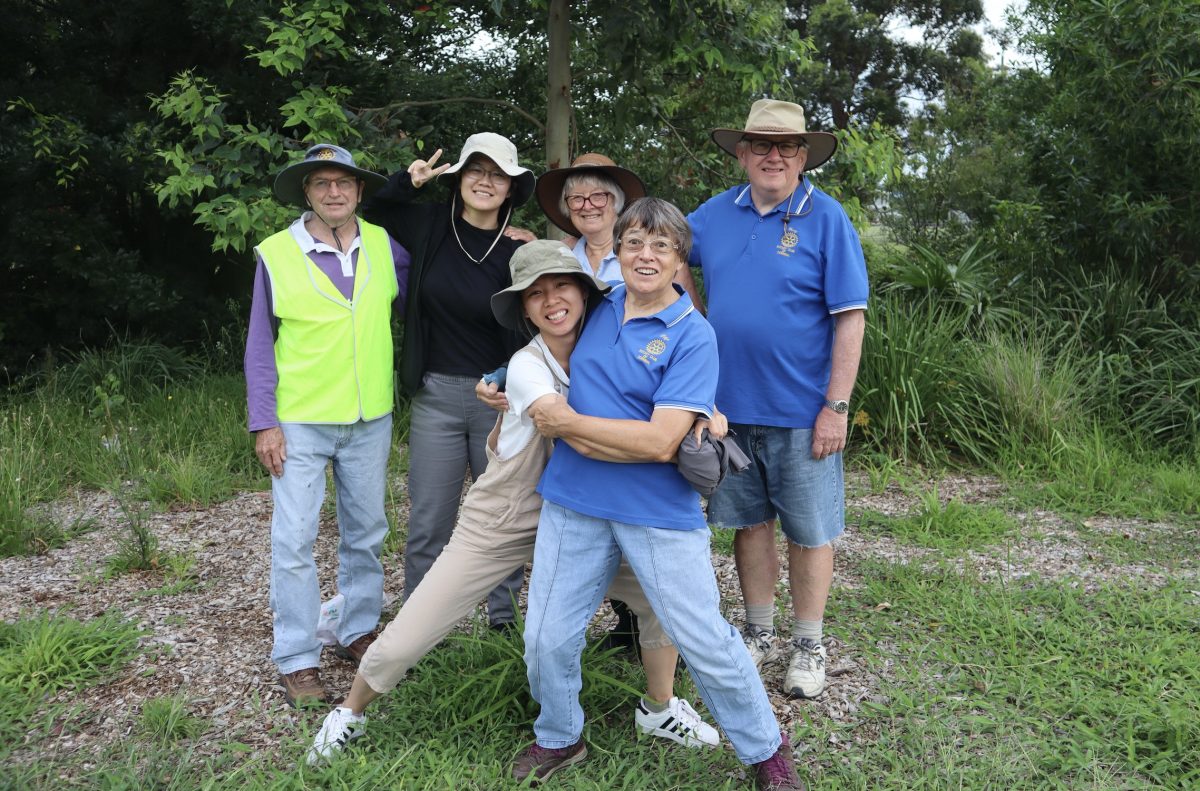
<point>806,671</point>
<point>762,644</point>
<point>340,727</point>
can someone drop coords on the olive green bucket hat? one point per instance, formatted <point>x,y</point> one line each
<point>528,263</point>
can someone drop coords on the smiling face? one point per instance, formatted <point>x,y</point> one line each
<point>772,176</point>
<point>594,223</point>
<point>554,304</point>
<point>483,185</point>
<point>333,194</point>
<point>648,271</point>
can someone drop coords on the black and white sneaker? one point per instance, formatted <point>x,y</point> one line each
<point>340,727</point>
<point>679,722</point>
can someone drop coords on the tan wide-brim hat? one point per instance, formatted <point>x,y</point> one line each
<point>771,119</point>
<point>500,150</point>
<point>530,261</point>
<point>550,186</point>
<point>289,184</point>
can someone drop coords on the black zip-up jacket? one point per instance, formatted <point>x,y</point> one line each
<point>420,228</point>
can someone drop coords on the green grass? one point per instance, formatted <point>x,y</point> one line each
<point>166,720</point>
<point>43,654</point>
<point>994,685</point>
<point>944,525</point>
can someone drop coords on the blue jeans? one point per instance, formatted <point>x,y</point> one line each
<point>359,452</point>
<point>574,560</point>
<point>785,481</point>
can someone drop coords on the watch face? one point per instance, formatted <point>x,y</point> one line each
<point>841,407</point>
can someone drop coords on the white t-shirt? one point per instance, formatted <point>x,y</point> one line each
<point>528,380</point>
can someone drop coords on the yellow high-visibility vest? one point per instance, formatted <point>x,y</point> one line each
<point>333,355</point>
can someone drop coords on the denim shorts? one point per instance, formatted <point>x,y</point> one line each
<point>806,495</point>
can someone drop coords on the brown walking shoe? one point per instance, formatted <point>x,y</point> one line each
<point>541,762</point>
<point>303,687</point>
<point>353,653</point>
<point>778,773</point>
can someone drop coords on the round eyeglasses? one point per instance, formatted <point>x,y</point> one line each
<point>597,199</point>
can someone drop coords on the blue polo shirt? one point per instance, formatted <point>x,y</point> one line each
<point>625,370</point>
<point>772,304</point>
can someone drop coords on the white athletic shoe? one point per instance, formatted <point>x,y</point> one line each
<point>762,645</point>
<point>340,726</point>
<point>806,671</point>
<point>679,722</point>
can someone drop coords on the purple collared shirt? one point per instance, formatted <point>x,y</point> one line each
<point>262,377</point>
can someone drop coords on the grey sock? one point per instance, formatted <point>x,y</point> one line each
<point>653,706</point>
<point>807,630</point>
<point>761,615</point>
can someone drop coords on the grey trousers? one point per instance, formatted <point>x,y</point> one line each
<point>447,436</point>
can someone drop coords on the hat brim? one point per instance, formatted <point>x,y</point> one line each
<point>550,186</point>
<point>510,313</point>
<point>289,184</point>
<point>522,178</point>
<point>821,145</point>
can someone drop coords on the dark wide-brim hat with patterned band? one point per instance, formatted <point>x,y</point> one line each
<point>550,186</point>
<point>289,184</point>
<point>530,261</point>
<point>771,119</point>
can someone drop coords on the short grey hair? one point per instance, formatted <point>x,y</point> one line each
<point>591,177</point>
<point>655,216</point>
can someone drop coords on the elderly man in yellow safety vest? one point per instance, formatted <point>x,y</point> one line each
<point>319,391</point>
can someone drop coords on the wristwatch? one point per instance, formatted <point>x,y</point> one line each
<point>841,407</point>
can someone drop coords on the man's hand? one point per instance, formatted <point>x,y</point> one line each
<point>829,433</point>
<point>271,449</point>
<point>422,172</point>
<point>490,394</point>
<point>717,427</point>
<point>520,234</point>
<point>551,414</point>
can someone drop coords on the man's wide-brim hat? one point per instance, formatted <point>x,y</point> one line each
<point>500,150</point>
<point>530,261</point>
<point>771,119</point>
<point>289,184</point>
<point>550,186</point>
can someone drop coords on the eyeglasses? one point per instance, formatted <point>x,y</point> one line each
<point>787,148</point>
<point>635,244</point>
<point>597,199</point>
<point>346,184</point>
<point>479,173</point>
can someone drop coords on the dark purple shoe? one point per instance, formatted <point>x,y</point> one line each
<point>541,762</point>
<point>778,773</point>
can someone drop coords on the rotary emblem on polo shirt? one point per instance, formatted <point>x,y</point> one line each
<point>651,351</point>
<point>326,153</point>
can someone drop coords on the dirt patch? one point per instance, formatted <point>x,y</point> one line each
<point>212,643</point>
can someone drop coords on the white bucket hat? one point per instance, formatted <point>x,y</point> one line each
<point>500,150</point>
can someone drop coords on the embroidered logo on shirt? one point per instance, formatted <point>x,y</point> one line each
<point>653,349</point>
<point>787,242</point>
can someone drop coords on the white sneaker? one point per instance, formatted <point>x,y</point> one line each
<point>340,726</point>
<point>679,722</point>
<point>806,671</point>
<point>762,644</point>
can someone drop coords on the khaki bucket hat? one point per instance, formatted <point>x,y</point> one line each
<point>528,263</point>
<point>500,150</point>
<point>772,119</point>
